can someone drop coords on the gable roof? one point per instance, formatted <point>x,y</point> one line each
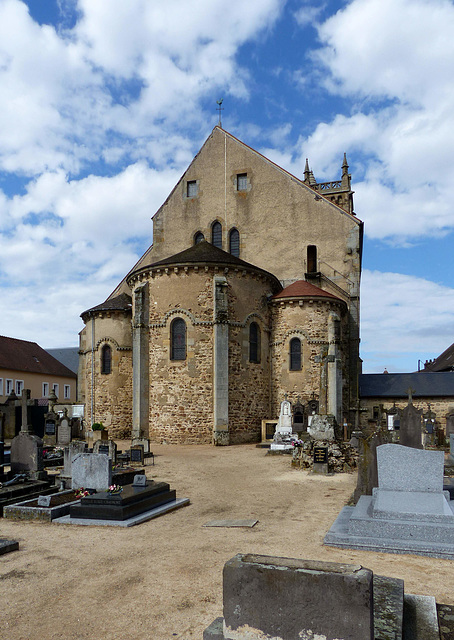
<point>219,129</point>
<point>396,385</point>
<point>304,289</point>
<point>444,362</point>
<point>29,357</point>
<point>205,253</point>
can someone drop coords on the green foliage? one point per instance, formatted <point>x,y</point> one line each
<point>97,426</point>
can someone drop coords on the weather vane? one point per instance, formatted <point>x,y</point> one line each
<point>220,108</point>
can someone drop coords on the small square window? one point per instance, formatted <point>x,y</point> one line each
<point>241,182</point>
<point>19,387</point>
<point>55,389</point>
<point>191,188</point>
<point>9,386</point>
<point>66,391</point>
<point>45,389</point>
<point>1,386</point>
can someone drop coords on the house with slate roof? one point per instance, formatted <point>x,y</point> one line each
<point>249,292</point>
<point>25,365</point>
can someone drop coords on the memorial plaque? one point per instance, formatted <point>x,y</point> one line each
<point>103,448</point>
<point>44,501</point>
<point>140,481</point>
<point>137,454</point>
<point>321,455</point>
<point>50,427</point>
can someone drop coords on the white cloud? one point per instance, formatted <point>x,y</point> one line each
<point>403,314</point>
<point>125,69</point>
<point>400,133</point>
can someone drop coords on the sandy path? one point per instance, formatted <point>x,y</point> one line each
<point>163,579</point>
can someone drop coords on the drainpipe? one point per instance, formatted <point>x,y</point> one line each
<point>92,367</point>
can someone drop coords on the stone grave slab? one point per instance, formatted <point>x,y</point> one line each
<point>91,471</point>
<point>132,501</point>
<point>230,523</point>
<point>8,545</point>
<point>130,522</point>
<point>408,513</point>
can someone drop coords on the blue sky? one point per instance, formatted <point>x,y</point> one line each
<point>105,102</point>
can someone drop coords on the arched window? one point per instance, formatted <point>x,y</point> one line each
<point>234,243</point>
<point>106,359</point>
<point>295,354</point>
<point>311,258</point>
<point>199,237</point>
<point>254,342</point>
<point>178,339</point>
<point>216,234</point>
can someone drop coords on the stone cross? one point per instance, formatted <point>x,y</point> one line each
<point>26,426</point>
<point>410,392</point>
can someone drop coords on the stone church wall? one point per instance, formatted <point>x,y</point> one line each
<point>308,321</point>
<point>113,391</point>
<point>181,392</point>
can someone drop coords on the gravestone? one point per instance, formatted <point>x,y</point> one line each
<point>91,471</point>
<point>320,464</point>
<point>284,426</point>
<point>74,448</point>
<point>289,598</point>
<point>26,448</point>
<point>322,427</point>
<point>64,431</point>
<point>108,447</point>
<point>50,429</point>
<point>411,425</point>
<point>270,597</point>
<point>136,454</point>
<point>408,513</point>
<point>449,424</point>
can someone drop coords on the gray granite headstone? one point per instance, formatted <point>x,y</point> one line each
<point>27,454</point>
<point>64,432</point>
<point>74,447</point>
<point>411,427</point>
<point>91,471</point>
<point>407,469</point>
<point>451,444</point>
<point>450,424</point>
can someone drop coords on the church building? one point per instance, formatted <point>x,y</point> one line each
<point>249,292</point>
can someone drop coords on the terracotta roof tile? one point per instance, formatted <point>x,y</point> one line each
<point>303,289</point>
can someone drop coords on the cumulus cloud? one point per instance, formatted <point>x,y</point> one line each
<point>403,315</point>
<point>124,69</point>
<point>399,133</point>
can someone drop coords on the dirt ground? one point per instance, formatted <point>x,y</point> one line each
<point>162,579</point>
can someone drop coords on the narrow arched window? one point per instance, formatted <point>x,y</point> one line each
<point>295,354</point>
<point>254,342</point>
<point>216,234</point>
<point>311,258</point>
<point>178,339</point>
<point>106,359</point>
<point>199,237</point>
<point>234,243</point>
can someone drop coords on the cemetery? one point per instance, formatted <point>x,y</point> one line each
<point>333,534</point>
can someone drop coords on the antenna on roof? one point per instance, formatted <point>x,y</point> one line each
<point>220,108</point>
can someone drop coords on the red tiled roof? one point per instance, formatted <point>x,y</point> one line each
<point>21,355</point>
<point>303,289</point>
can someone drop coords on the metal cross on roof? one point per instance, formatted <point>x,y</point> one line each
<point>220,108</point>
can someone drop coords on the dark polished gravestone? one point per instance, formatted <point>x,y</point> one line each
<point>132,501</point>
<point>8,545</point>
<point>411,426</point>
